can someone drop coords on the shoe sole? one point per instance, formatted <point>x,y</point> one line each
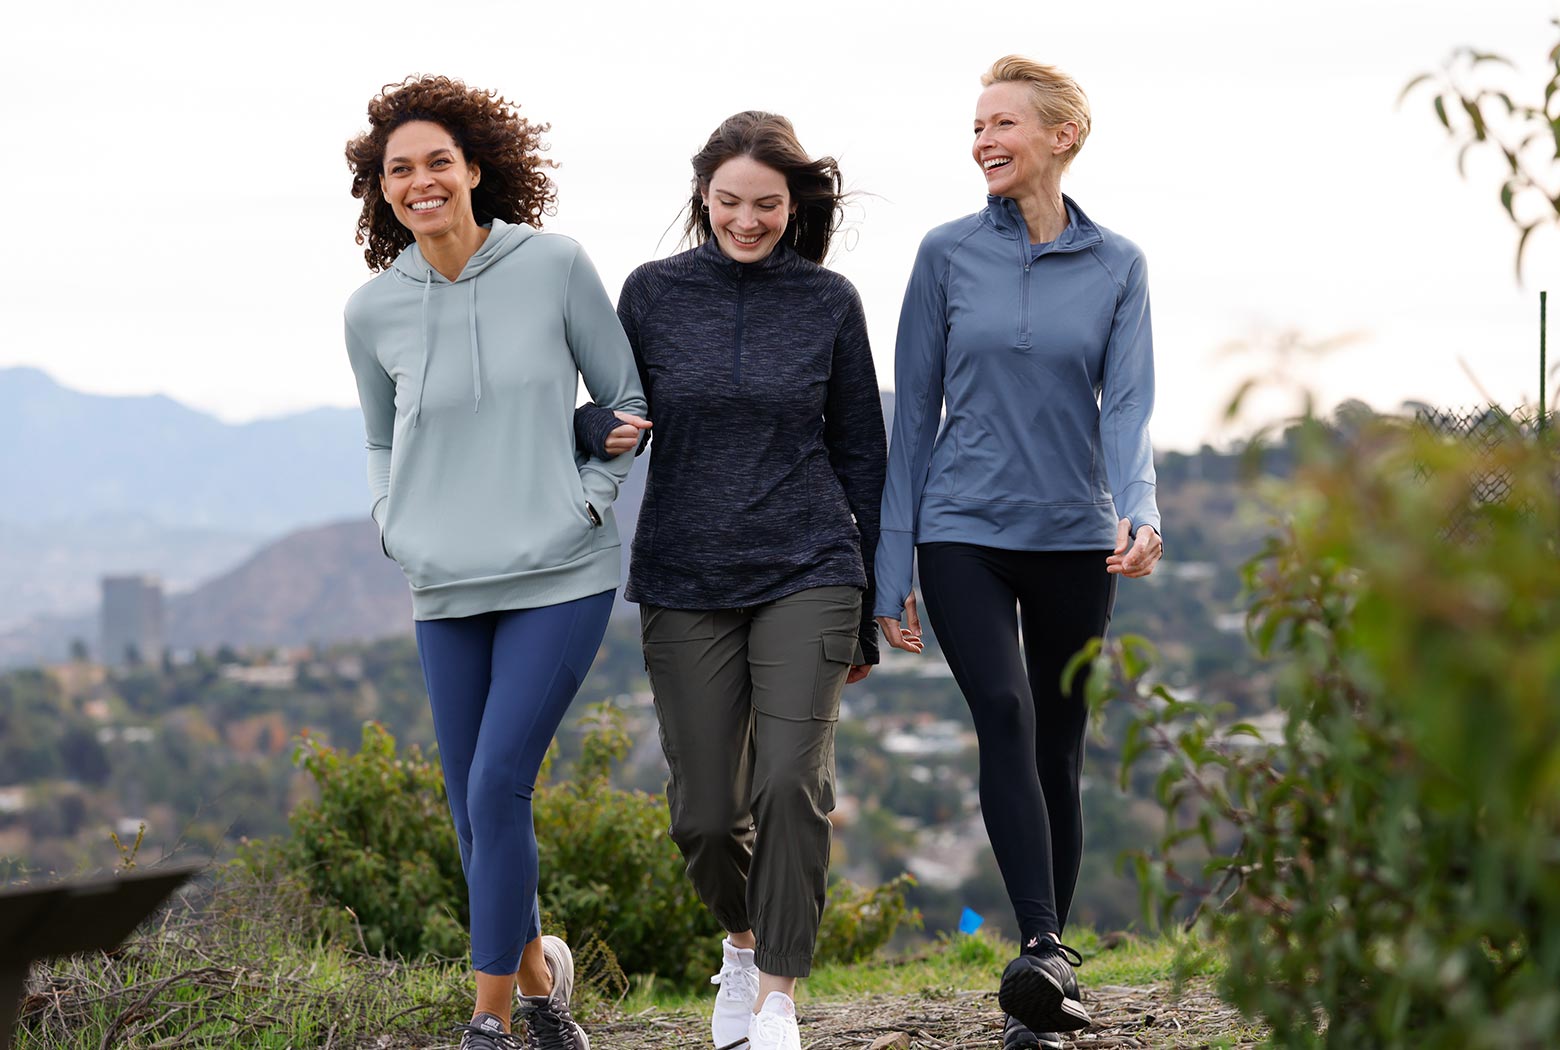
<point>1047,1041</point>
<point>733,1046</point>
<point>1039,1003</point>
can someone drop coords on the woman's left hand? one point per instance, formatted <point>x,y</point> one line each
<point>1142,557</point>
<point>625,438</point>
<point>857,673</point>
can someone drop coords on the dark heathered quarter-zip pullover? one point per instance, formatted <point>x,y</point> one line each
<point>768,453</point>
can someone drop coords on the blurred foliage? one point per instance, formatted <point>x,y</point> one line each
<point>1385,869</point>
<point>378,845</point>
<point>1525,133</point>
<point>861,919</point>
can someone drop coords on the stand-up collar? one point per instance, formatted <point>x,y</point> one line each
<point>1004,216</point>
<point>775,262</point>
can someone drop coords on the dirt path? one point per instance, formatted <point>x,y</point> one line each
<point>1144,1016</point>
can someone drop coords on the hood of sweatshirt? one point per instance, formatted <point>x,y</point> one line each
<point>410,266</point>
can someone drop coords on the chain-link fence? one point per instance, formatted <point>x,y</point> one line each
<point>1485,431</point>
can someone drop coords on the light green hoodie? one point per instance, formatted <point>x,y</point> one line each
<point>468,391</point>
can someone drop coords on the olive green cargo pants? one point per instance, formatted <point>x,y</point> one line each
<point>747,700</point>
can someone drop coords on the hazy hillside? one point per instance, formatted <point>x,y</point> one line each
<point>328,583</point>
<point>70,456</point>
<point>325,584</point>
<point>54,569</point>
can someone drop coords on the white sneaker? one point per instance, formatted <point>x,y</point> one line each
<point>738,980</point>
<point>774,1027</point>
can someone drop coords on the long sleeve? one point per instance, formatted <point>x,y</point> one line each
<point>1127,402</point>
<point>592,423</point>
<point>853,434</point>
<point>592,426</point>
<point>919,353</point>
<point>376,395</point>
<point>605,360</point>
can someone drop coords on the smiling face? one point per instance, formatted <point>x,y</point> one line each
<point>749,205</point>
<point>426,180</point>
<point>1014,149</point>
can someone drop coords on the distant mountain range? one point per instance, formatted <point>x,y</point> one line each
<point>71,456</point>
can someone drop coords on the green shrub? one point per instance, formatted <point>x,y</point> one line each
<point>610,871</point>
<point>378,847</point>
<point>1386,873</point>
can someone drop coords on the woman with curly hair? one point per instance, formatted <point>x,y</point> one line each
<point>753,555</point>
<point>467,348</point>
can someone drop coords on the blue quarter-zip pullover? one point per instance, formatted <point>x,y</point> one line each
<point>1044,364</point>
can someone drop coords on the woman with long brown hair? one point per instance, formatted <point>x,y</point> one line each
<point>753,556</point>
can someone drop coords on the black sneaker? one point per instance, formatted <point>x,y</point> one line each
<point>1041,990</point>
<point>1016,1037</point>
<point>486,1032</point>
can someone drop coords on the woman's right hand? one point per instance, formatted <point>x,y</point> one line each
<point>626,437</point>
<point>907,638</point>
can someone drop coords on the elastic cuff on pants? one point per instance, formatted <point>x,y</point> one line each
<point>734,922</point>
<point>776,965</point>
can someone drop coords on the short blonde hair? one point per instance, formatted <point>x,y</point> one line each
<point>1056,96</point>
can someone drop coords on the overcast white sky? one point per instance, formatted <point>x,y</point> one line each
<point>180,221</point>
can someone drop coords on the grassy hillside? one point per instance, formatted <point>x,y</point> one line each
<point>235,966</point>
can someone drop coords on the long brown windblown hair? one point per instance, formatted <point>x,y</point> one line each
<point>816,188</point>
<point>490,132</point>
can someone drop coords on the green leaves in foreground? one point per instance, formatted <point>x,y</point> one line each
<point>1383,869</point>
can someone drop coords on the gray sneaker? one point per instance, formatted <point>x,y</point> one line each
<point>486,1032</point>
<point>548,1025</point>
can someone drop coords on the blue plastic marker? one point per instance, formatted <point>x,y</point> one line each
<point>970,921</point>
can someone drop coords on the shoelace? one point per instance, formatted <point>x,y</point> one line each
<point>1050,947</point>
<point>549,1026</point>
<point>737,982</point>
<point>770,1029</point>
<point>496,1040</point>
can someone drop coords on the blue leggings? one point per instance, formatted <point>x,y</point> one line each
<point>499,684</point>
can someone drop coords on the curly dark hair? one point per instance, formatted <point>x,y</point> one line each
<point>490,132</point>
<point>816,187</point>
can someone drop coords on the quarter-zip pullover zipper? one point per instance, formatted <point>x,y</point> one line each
<point>736,350</point>
<point>1023,311</point>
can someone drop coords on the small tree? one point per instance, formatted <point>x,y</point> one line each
<point>1386,872</point>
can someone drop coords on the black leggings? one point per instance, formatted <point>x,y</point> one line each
<point>1030,734</point>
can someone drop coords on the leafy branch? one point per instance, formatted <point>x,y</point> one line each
<point>1526,136</point>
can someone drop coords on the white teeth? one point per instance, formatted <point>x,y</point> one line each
<point>746,240</point>
<point>995,162</point>
<point>427,205</point>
